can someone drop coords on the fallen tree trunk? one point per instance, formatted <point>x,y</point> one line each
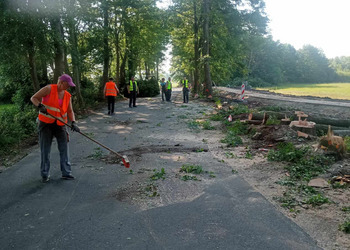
<point>255,122</point>
<point>330,121</point>
<point>324,128</point>
<point>342,132</point>
<point>260,115</point>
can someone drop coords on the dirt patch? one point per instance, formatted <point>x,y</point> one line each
<point>177,148</point>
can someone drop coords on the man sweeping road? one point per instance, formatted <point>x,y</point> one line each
<point>55,101</point>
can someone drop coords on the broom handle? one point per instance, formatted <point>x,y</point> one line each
<point>119,155</point>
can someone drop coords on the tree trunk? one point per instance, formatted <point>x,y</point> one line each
<point>44,76</point>
<point>260,115</point>
<point>208,91</point>
<point>58,47</point>
<point>196,88</point>
<point>117,48</point>
<point>122,74</point>
<point>32,66</point>
<point>330,121</point>
<point>75,55</point>
<point>104,7</point>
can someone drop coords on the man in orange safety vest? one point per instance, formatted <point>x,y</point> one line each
<point>110,91</point>
<point>55,107</point>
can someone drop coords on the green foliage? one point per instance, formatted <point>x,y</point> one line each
<point>347,143</point>
<point>345,226</point>
<point>273,121</point>
<point>148,88</point>
<point>309,167</point>
<point>345,209</point>
<point>158,175</point>
<point>189,177</point>
<point>304,164</point>
<point>317,200</point>
<point>239,109</point>
<point>16,124</point>
<point>237,127</point>
<point>287,201</point>
<point>232,139</point>
<point>196,169</point>
<point>194,125</point>
<point>217,117</point>
<point>207,126</point>
<point>287,152</point>
<point>97,154</point>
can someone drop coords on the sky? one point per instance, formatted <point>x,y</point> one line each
<point>321,23</point>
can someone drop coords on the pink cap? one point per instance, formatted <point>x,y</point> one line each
<point>68,79</point>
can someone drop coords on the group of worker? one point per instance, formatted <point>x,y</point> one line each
<point>55,108</point>
<point>166,88</point>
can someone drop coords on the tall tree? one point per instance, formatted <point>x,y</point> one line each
<point>206,52</point>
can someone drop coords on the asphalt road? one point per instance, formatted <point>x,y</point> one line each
<point>225,213</point>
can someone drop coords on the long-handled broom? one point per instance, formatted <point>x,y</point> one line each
<point>123,157</point>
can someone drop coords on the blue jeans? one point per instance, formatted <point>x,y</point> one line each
<point>46,133</point>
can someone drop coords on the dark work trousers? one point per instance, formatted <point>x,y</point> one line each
<point>46,133</point>
<point>132,98</point>
<point>168,95</point>
<point>185,92</point>
<point>163,93</point>
<point>111,101</point>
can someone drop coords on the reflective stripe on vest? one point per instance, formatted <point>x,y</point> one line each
<point>110,89</point>
<point>131,88</point>
<point>186,83</point>
<point>53,108</point>
<point>169,84</point>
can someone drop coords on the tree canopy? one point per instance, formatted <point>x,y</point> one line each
<point>213,41</point>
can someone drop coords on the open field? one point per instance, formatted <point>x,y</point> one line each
<point>331,90</point>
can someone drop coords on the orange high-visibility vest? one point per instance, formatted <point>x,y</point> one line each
<point>53,108</point>
<point>110,89</point>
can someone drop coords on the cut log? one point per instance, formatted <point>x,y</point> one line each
<point>342,132</point>
<point>285,121</point>
<point>304,126</point>
<point>260,115</point>
<point>257,116</point>
<point>329,121</point>
<point>304,135</point>
<point>324,128</point>
<point>255,122</point>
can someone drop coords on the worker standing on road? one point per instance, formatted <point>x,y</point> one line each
<point>168,89</point>
<point>163,88</point>
<point>185,89</point>
<point>110,91</point>
<point>55,100</point>
<point>132,90</point>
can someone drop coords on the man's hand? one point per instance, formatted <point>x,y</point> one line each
<point>42,108</point>
<point>74,127</point>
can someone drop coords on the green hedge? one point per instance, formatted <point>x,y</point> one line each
<point>148,88</point>
<point>16,124</point>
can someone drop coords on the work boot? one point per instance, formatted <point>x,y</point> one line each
<point>67,177</point>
